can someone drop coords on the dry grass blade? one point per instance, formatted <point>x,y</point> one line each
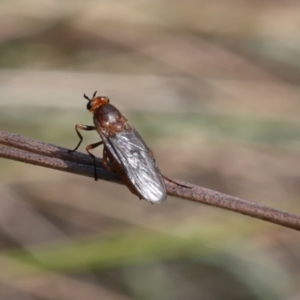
<point>31,151</point>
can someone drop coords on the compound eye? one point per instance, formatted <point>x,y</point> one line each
<point>89,105</point>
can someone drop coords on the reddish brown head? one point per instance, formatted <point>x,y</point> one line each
<point>95,102</point>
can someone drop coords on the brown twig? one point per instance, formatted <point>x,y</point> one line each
<point>31,151</point>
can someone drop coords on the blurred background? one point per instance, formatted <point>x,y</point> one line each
<point>213,87</point>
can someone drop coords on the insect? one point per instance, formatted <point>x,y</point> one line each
<point>124,151</point>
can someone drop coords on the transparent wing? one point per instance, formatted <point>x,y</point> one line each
<point>130,151</point>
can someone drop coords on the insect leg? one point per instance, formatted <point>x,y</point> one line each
<point>88,148</point>
<point>167,178</point>
<point>176,182</point>
<point>105,161</point>
<point>151,153</point>
<point>82,127</point>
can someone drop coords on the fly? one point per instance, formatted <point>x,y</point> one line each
<point>124,151</point>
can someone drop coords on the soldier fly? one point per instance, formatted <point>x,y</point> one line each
<point>124,151</point>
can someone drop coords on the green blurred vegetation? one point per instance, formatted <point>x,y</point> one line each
<point>213,89</point>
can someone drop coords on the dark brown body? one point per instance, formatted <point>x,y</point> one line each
<point>124,151</point>
<point>111,121</point>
